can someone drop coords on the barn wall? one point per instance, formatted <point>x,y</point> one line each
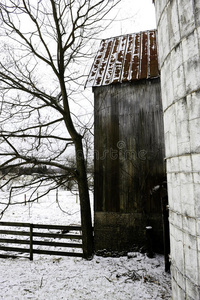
<point>129,163</point>
<point>179,55</point>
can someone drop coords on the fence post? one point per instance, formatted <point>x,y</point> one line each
<point>166,233</point>
<point>149,237</point>
<point>31,241</point>
<point>56,195</point>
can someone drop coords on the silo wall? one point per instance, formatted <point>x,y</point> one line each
<point>178,24</point>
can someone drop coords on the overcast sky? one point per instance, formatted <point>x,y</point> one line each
<point>135,15</point>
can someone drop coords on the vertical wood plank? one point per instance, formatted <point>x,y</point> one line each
<point>31,241</point>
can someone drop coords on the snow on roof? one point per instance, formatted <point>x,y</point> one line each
<point>125,58</point>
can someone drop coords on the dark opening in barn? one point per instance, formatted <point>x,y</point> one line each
<point>129,162</point>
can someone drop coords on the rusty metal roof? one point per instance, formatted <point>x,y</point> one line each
<point>125,58</point>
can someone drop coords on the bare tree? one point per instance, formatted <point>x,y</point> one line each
<point>43,44</point>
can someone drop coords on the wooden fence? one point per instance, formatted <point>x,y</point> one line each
<point>40,239</point>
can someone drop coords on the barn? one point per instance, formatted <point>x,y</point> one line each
<point>129,166</point>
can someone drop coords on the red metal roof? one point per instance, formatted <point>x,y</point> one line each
<point>125,58</point>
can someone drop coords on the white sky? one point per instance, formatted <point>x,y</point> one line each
<point>136,15</point>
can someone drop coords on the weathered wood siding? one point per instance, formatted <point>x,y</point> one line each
<point>129,156</point>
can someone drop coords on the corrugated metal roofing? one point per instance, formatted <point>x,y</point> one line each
<point>125,58</point>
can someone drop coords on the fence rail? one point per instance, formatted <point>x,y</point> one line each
<point>39,235</point>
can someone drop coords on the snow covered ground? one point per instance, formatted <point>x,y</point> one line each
<point>52,277</point>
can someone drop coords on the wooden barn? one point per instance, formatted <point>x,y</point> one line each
<point>128,142</point>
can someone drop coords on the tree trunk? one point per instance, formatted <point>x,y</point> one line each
<point>86,220</point>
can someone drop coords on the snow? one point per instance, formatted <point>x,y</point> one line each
<point>133,277</point>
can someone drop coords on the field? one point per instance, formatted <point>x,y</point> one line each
<point>131,277</point>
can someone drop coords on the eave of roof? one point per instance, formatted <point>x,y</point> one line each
<point>125,58</point>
